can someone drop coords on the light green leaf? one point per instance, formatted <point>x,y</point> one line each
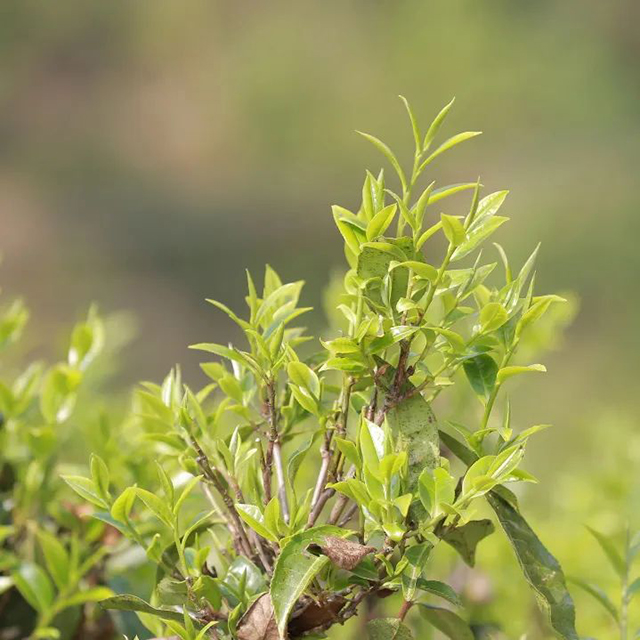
<point>157,505</point>
<point>476,235</point>
<point>453,229</point>
<point>86,489</point>
<point>449,190</point>
<point>388,154</point>
<point>123,504</point>
<point>492,316</point>
<point>133,603</point>
<point>56,558</point>
<point>615,558</point>
<point>448,144</point>
<point>380,222</point>
<point>597,593</point>
<point>507,372</point>
<point>95,594</point>
<point>417,136</point>
<point>422,269</point>
<point>100,477</point>
<point>303,376</point>
<point>435,125</point>
<point>34,586</point>
<point>254,518</point>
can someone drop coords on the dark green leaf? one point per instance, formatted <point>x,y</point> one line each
<point>541,569</point>
<point>481,372</point>
<point>466,538</point>
<point>388,629</point>
<point>446,622</point>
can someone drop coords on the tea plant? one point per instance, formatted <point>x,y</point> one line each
<point>621,561</point>
<point>52,556</point>
<point>273,557</point>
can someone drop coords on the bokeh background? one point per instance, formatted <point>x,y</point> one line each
<point>151,151</point>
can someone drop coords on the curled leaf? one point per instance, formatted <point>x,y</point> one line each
<point>259,622</point>
<point>345,553</point>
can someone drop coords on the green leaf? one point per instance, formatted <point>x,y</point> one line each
<point>422,269</point>
<point>449,190</point>
<point>303,376</point>
<point>465,539</point>
<point>390,337</point>
<point>157,505</point>
<point>86,489</point>
<point>34,586</point>
<point>186,492</point>
<point>427,234</point>
<point>58,393</point>
<point>133,603</point>
<point>446,622</point>
<point>388,629</point>
<point>448,144</point>
<point>541,569</point>
<point>508,372</point>
<point>492,316</point>
<point>100,477</point>
<point>254,518</point>
<point>388,154</point>
<point>453,229</point>
<point>380,222</point>
<point>614,557</point>
<point>417,136</point>
<point>122,505</point>
<point>436,124</point>
<point>416,557</point>
<point>95,594</point>
<point>481,372</point>
<point>56,558</point>
<point>295,568</point>
<point>440,589</point>
<point>597,593</point>
<point>476,235</point>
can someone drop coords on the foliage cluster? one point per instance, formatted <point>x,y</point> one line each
<point>242,546</point>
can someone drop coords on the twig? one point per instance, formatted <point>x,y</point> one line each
<point>274,451</point>
<point>213,477</point>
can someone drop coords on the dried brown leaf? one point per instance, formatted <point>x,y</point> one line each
<point>259,622</point>
<point>344,553</point>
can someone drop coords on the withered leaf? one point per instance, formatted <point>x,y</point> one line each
<point>344,553</point>
<point>315,614</point>
<point>259,622</point>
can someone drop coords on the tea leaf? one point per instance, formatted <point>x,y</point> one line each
<point>541,569</point>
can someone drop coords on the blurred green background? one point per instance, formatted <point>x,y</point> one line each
<point>151,151</point>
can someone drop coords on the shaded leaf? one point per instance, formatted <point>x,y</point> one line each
<point>447,622</point>
<point>541,569</point>
<point>388,629</point>
<point>465,539</point>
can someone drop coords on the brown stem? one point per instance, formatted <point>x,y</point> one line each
<point>214,477</point>
<point>404,609</point>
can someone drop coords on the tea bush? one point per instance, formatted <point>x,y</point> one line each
<point>242,544</point>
